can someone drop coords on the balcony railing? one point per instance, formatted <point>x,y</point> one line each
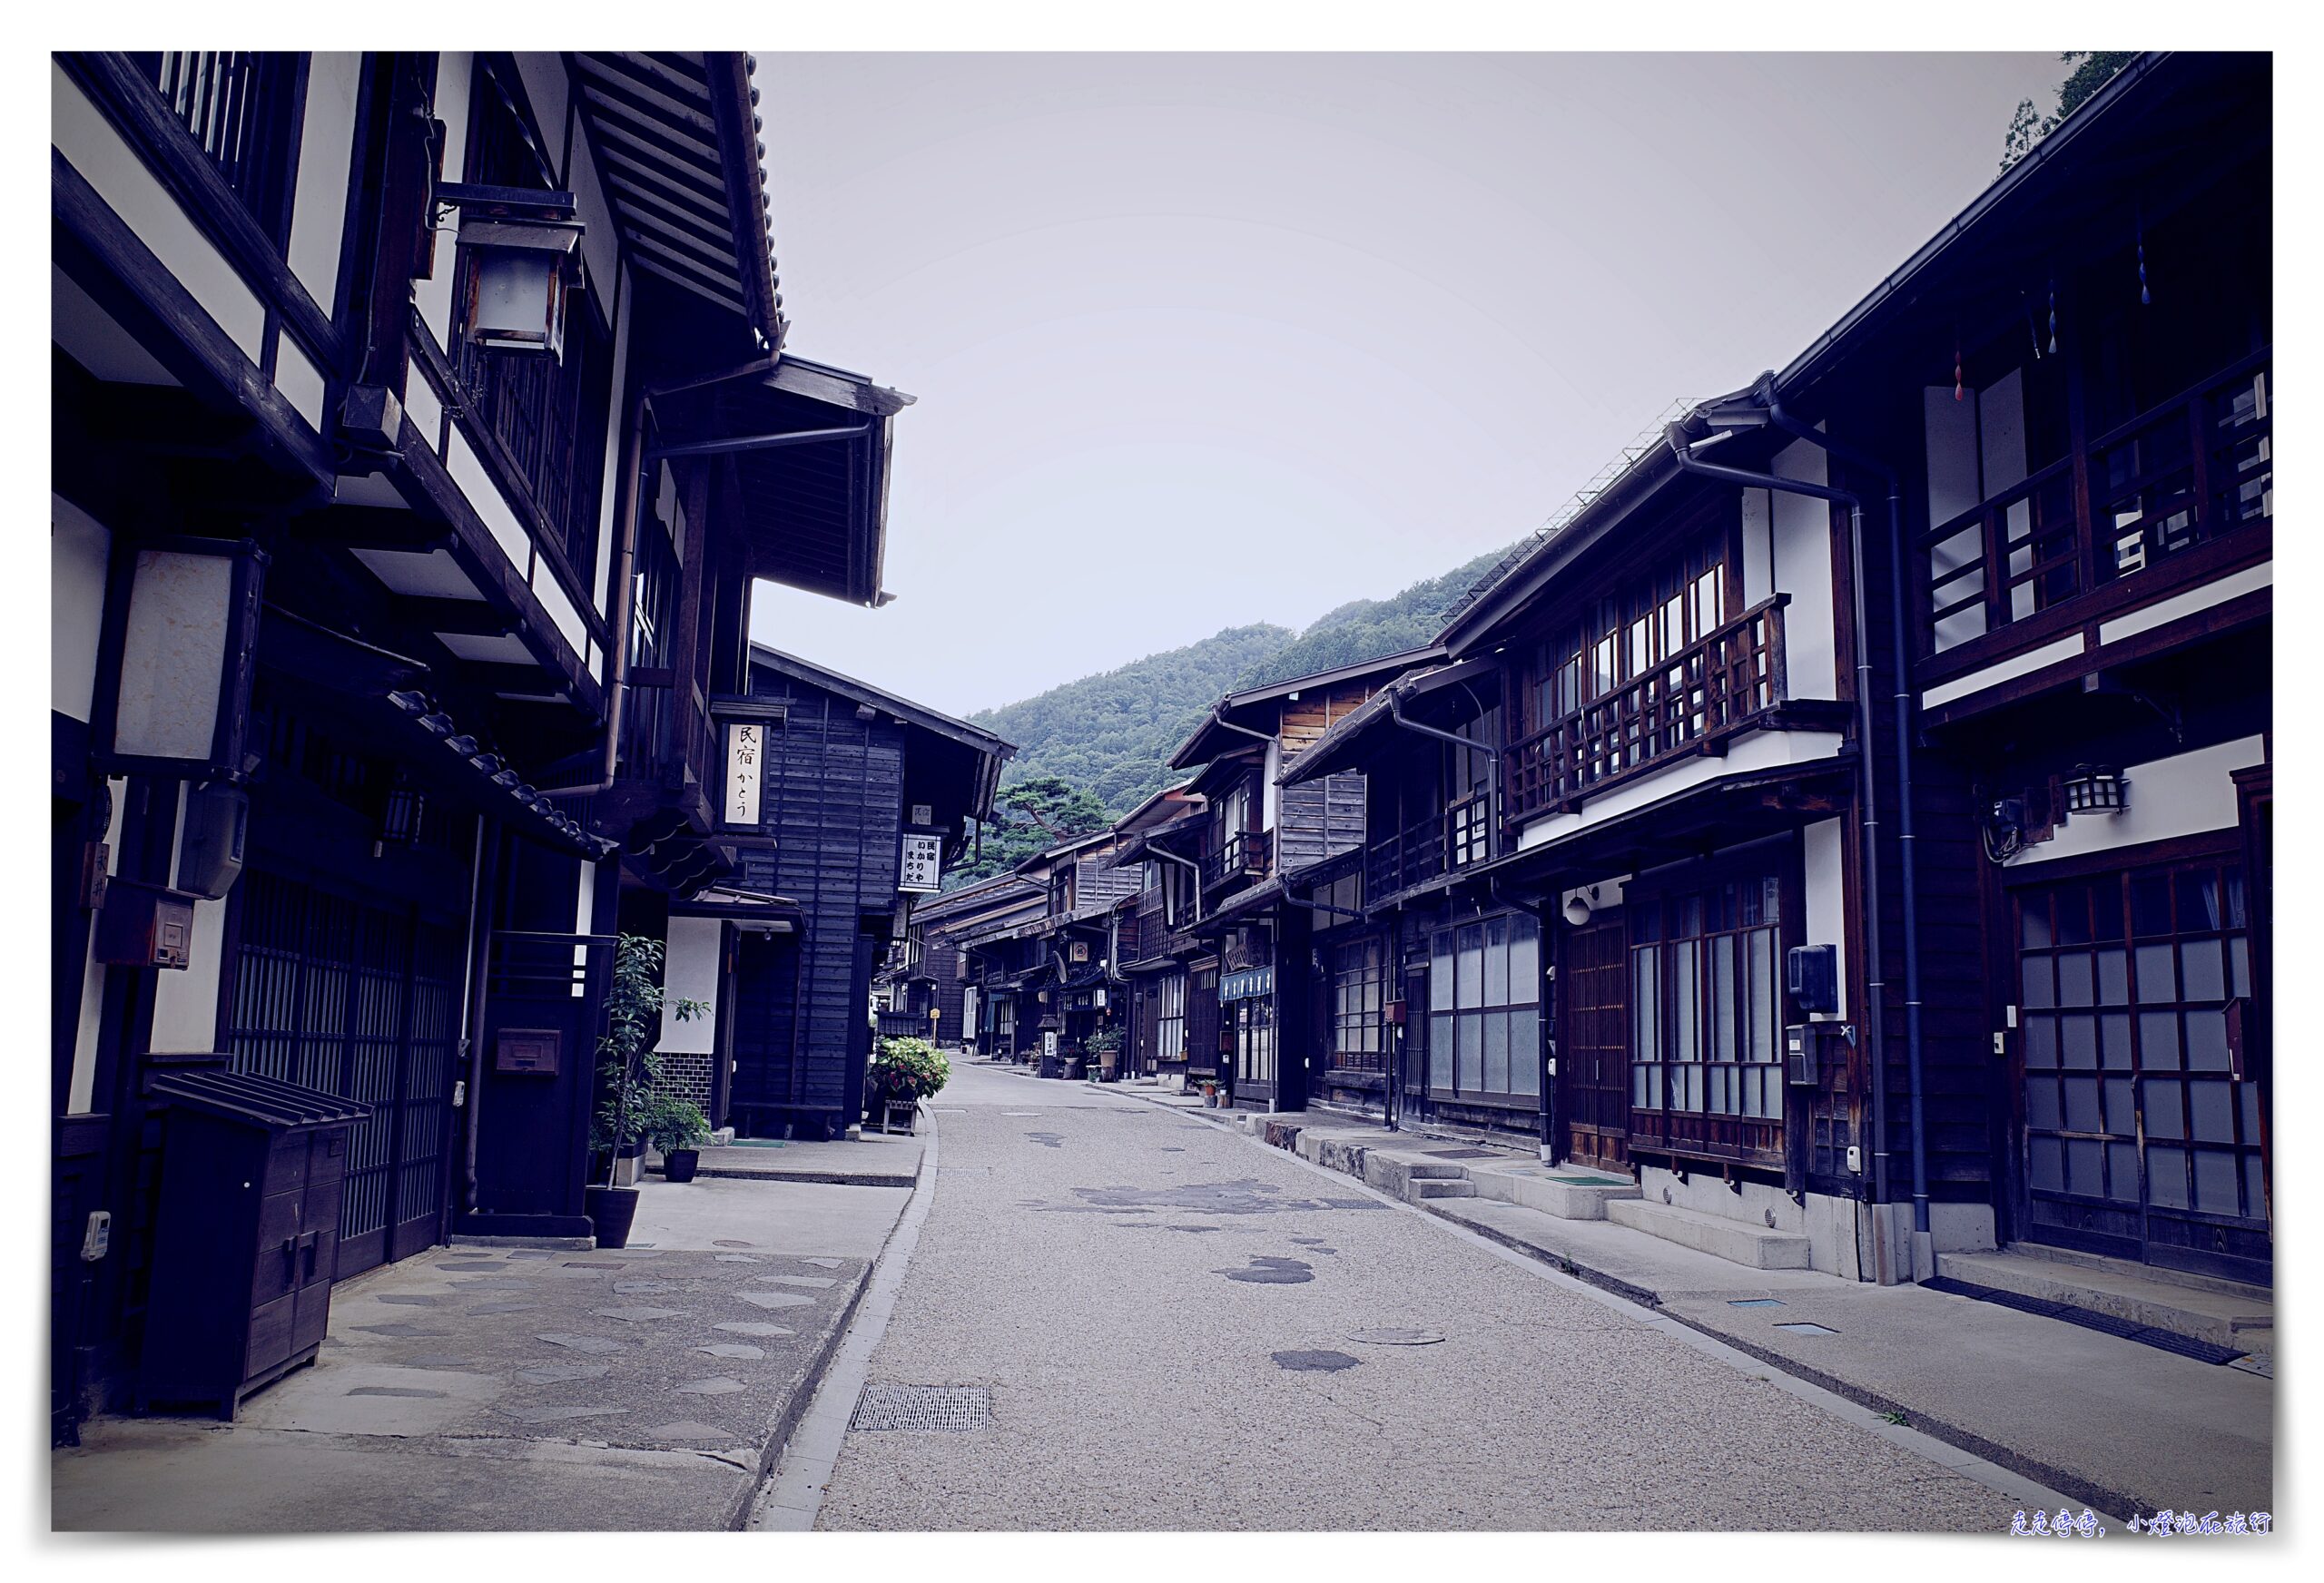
<point>1241,856</point>
<point>1453,837</point>
<point>665,730</point>
<point>1690,703</point>
<point>238,104</point>
<point>2187,473</point>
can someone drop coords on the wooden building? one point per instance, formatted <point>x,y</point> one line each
<point>1158,955</point>
<point>855,801</point>
<point>932,981</point>
<point>1249,962</point>
<point>420,420</point>
<point>1854,818</point>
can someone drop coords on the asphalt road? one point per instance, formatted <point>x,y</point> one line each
<point>1180,1330</point>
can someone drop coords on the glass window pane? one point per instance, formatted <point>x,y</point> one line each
<point>2217,1188</point>
<point>2106,909</point>
<point>2039,980</point>
<point>2206,1041</point>
<point>1686,1006</point>
<point>1764,996</point>
<point>2033,922</point>
<point>1468,1052</point>
<point>2122,1114</point>
<point>2157,986</point>
<point>1525,1051</point>
<point>2115,1040</point>
<point>2255,1188</point>
<point>2042,1041</point>
<point>2074,915</point>
<point>1440,1050</point>
<point>2043,1111</point>
<point>2201,971</point>
<point>2163,1111</point>
<point>2197,901</point>
<point>2079,1036</point>
<point>2048,1159</point>
<point>2158,1041</point>
<point>1496,983</point>
<point>1646,1041</point>
<point>1525,960</point>
<point>1496,1068</point>
<point>2076,983</point>
<point>1440,973</point>
<point>2211,1111</point>
<point>1469,967</point>
<point>2166,1176</point>
<point>2239,968</point>
<point>2082,1104</point>
<point>2149,904</point>
<point>2085,1167</point>
<point>2113,978</point>
<point>1722,1000</point>
<point>2235,899</point>
<point>2122,1172</point>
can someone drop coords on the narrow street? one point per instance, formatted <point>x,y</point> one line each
<point>1171,1323</point>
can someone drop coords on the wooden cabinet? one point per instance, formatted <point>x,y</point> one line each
<point>247,1244</point>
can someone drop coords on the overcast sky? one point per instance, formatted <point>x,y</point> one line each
<point>1200,340</point>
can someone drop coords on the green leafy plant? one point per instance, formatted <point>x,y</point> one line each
<point>1104,1042</point>
<point>632,1105</point>
<point>905,1070</point>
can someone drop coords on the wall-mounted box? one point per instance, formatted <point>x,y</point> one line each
<point>144,926</point>
<point>527,1051</point>
<point>1812,976</point>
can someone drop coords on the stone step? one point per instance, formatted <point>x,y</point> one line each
<point>1755,1247</point>
<point>1442,1187</point>
<point>2242,1318</point>
<point>1566,1198</point>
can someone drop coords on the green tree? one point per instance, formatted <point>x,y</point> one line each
<point>1031,816</point>
<point>2092,70</point>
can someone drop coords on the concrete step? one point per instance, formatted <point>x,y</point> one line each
<point>2241,1317</point>
<point>1755,1247</point>
<point>1440,1187</point>
<point>1564,1196</point>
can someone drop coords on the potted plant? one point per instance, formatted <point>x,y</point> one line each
<point>676,1129</point>
<point>1210,1096</point>
<point>1106,1044</point>
<point>902,1071</point>
<point>629,1079</point>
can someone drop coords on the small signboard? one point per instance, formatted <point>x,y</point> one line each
<point>745,770</point>
<point>923,862</point>
<point>1247,984</point>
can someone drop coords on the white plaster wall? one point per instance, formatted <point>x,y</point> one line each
<point>690,971</point>
<point>2001,434</point>
<point>1949,429</point>
<point>1803,568</point>
<point>80,1094</point>
<point>2185,794</point>
<point>82,133</point>
<point>455,76</point>
<point>1759,548</point>
<point>1268,791</point>
<point>1823,853</point>
<point>78,549</point>
<point>326,157</point>
<point>300,382</point>
<point>185,999</point>
<point>541,73</point>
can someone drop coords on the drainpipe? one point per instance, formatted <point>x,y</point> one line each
<point>1874,1037</point>
<point>1900,709</point>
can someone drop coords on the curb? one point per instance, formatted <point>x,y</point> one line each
<point>824,1178</point>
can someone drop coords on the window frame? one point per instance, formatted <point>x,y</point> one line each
<point>1455,1004</point>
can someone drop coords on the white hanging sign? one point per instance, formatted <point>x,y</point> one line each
<point>923,862</point>
<point>746,768</point>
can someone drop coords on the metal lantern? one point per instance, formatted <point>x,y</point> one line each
<point>2096,791</point>
<point>523,251</point>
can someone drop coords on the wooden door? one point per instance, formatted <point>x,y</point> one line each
<point>1593,1043</point>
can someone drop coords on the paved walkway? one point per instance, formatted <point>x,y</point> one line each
<point>1178,1329</point>
<point>876,1160</point>
<point>2112,1423</point>
<point>524,1388</point>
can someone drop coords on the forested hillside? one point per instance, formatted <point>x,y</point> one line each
<point>1111,735</point>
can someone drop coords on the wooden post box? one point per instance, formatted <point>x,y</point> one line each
<point>248,1238</point>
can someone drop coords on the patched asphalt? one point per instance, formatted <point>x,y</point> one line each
<point>1179,1330</point>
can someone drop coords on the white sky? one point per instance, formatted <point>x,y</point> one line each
<point>1200,340</point>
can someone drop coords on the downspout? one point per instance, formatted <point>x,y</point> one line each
<point>1868,781</point>
<point>1900,706</point>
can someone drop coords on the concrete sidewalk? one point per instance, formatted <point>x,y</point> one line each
<point>2124,1427</point>
<point>525,1389</point>
<point>877,1159</point>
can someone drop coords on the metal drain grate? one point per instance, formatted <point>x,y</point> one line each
<point>924,1408</point>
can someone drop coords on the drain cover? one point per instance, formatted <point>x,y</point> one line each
<point>1314,1362</point>
<point>1802,1327</point>
<point>1395,1336</point>
<point>924,1408</point>
<point>1755,1302</point>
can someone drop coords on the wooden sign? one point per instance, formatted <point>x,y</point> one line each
<point>923,862</point>
<point>745,770</point>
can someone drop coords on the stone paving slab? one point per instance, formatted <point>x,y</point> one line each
<point>474,1388</point>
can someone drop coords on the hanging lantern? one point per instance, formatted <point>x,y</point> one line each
<point>176,658</point>
<point>523,250</point>
<point>2091,790</point>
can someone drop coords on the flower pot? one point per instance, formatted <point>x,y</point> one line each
<point>612,1211</point>
<point>678,1165</point>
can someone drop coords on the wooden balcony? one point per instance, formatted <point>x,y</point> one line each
<point>666,732</point>
<point>1434,844</point>
<point>1242,857</point>
<point>2123,519</point>
<point>1690,703</point>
